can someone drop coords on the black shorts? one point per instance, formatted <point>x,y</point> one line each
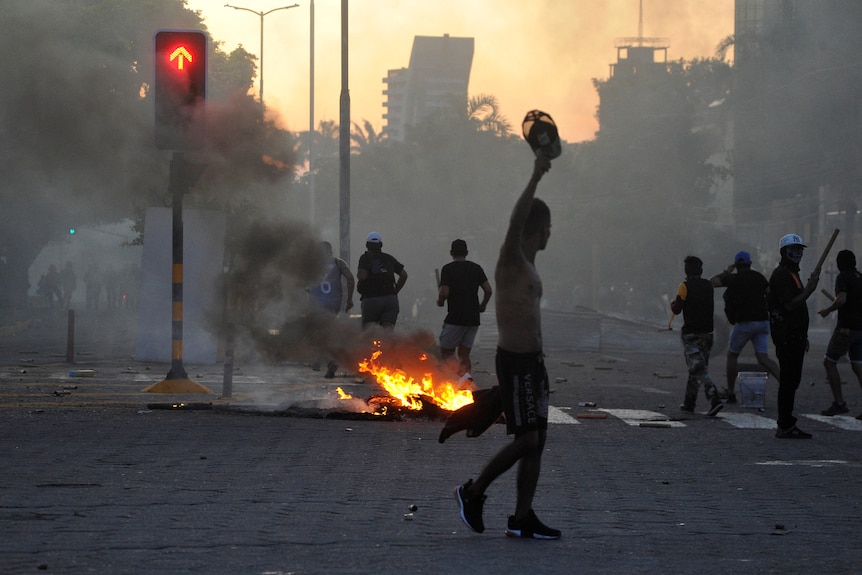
<point>524,389</point>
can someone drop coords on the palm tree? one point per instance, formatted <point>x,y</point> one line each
<point>326,139</point>
<point>484,112</point>
<point>364,137</point>
<point>724,45</point>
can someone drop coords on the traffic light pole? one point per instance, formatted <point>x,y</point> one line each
<point>175,187</point>
<point>183,175</point>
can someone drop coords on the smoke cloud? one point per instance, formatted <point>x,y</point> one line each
<point>270,311</point>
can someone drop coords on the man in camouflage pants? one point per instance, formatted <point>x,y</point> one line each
<point>694,299</point>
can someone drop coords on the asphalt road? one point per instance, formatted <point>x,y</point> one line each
<point>94,481</point>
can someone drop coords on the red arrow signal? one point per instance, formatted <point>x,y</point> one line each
<point>179,55</point>
<point>179,88</point>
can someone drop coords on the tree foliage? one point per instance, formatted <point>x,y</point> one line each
<point>77,122</point>
<point>648,180</point>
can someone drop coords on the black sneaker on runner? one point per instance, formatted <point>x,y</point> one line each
<point>716,407</point>
<point>530,528</point>
<point>792,433</point>
<point>835,409</point>
<point>471,508</point>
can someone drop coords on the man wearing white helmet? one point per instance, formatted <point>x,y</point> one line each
<point>788,320</point>
<point>377,285</point>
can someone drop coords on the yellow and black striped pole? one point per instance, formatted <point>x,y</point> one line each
<point>182,176</point>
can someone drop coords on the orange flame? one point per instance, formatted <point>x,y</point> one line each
<point>410,391</point>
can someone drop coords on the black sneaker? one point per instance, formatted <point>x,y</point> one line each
<point>835,409</point>
<point>716,407</point>
<point>791,433</point>
<point>471,508</point>
<point>530,528</point>
<point>730,398</point>
<point>686,407</point>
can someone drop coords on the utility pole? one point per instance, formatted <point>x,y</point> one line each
<point>344,145</point>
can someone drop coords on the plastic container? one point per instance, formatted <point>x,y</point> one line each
<point>751,386</point>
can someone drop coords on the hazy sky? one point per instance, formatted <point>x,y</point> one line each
<point>528,53</point>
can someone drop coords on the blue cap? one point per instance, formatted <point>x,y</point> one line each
<point>742,257</point>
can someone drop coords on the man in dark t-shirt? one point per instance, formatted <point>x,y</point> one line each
<point>377,286</point>
<point>460,281</point>
<point>694,301</point>
<point>847,337</point>
<point>745,307</point>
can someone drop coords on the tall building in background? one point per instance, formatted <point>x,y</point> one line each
<point>798,118</point>
<point>438,77</point>
<point>643,63</point>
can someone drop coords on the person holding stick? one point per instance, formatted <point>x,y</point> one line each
<point>788,322</point>
<point>847,337</point>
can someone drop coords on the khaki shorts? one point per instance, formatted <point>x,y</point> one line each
<point>452,336</point>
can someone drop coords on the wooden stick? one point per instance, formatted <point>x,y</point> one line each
<point>827,294</point>
<point>825,253</point>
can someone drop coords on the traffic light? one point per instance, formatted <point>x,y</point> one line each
<point>180,88</point>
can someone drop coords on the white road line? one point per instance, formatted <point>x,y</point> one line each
<point>747,420</point>
<point>557,415</point>
<point>841,421</point>
<point>804,462</point>
<point>635,417</point>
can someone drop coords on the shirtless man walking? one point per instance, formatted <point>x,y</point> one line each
<point>520,367</point>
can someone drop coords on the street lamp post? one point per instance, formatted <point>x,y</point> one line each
<point>311,115</point>
<point>261,14</point>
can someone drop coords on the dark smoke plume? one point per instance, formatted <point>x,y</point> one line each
<point>269,309</point>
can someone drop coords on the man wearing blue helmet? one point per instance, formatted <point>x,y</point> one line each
<point>788,322</point>
<point>745,308</point>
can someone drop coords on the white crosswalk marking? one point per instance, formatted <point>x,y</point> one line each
<point>839,421</point>
<point>737,419</point>
<point>638,416</point>
<point>557,415</point>
<point>743,420</point>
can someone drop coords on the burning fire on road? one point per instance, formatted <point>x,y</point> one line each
<point>428,392</point>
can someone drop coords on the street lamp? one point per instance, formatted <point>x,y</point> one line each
<point>311,114</point>
<point>261,14</point>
